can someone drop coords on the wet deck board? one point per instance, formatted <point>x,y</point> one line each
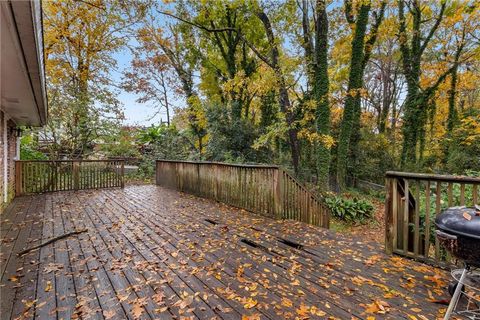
<point>154,253</point>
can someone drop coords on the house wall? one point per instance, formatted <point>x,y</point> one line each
<point>8,150</point>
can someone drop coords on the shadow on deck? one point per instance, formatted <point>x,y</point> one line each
<point>153,253</point>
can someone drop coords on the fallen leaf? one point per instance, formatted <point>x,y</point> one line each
<point>287,302</point>
<point>137,310</point>
<point>249,303</point>
<point>378,306</point>
<point>302,311</point>
<point>108,314</point>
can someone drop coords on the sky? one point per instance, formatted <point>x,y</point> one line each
<point>135,113</point>
<point>141,114</point>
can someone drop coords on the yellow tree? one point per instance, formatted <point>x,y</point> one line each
<point>457,97</point>
<point>80,38</point>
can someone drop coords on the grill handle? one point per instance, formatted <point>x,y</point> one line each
<point>444,235</point>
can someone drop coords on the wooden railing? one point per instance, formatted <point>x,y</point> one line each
<point>413,201</point>
<point>265,190</point>
<point>38,176</point>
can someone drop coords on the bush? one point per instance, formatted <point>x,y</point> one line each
<point>464,145</point>
<point>350,210</point>
<point>374,157</point>
<point>28,149</point>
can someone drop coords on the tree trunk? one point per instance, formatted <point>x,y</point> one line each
<point>352,108</point>
<point>415,115</point>
<point>320,93</point>
<point>387,99</point>
<point>452,111</point>
<point>284,99</point>
<point>308,46</point>
<point>410,129</point>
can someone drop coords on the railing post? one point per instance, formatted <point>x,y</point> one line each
<point>122,174</point>
<point>389,223</point>
<point>76,175</point>
<point>277,193</point>
<point>157,172</point>
<point>18,178</point>
<point>216,169</point>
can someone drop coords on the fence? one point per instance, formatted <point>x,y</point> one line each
<point>39,176</point>
<point>412,203</point>
<point>266,190</point>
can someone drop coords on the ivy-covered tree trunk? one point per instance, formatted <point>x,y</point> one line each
<point>308,46</point>
<point>411,60</point>
<point>411,127</point>
<point>416,113</point>
<point>452,111</point>
<point>352,108</point>
<point>362,46</point>
<point>320,93</point>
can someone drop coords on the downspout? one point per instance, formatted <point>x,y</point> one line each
<point>5,159</point>
<point>17,145</point>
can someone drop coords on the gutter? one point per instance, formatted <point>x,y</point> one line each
<point>5,158</point>
<point>35,65</point>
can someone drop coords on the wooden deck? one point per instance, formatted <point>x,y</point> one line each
<point>153,253</point>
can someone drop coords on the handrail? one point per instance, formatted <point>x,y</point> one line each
<point>413,200</point>
<point>70,160</point>
<point>246,165</point>
<point>264,189</point>
<point>315,196</point>
<point>435,177</point>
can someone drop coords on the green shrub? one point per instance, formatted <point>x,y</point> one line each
<point>28,149</point>
<point>350,210</point>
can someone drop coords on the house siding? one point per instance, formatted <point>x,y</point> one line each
<point>10,146</point>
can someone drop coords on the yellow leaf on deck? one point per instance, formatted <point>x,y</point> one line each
<point>287,302</point>
<point>303,310</point>
<point>317,312</point>
<point>250,303</point>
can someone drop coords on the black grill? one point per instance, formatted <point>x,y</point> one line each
<point>460,235</point>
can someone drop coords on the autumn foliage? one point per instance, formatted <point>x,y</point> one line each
<point>331,90</point>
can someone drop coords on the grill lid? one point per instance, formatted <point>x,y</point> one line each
<point>452,220</point>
